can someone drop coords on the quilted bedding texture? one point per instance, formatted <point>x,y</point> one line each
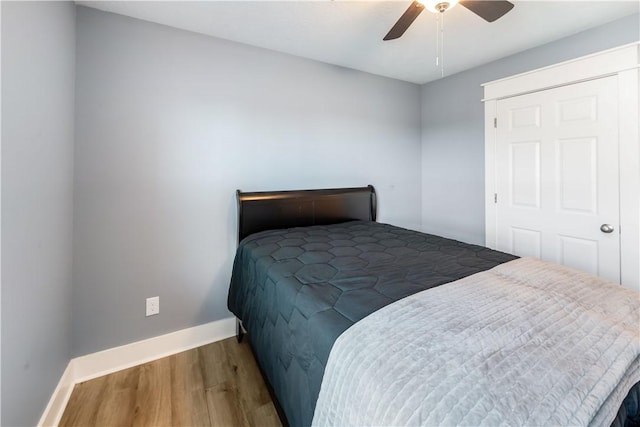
<point>525,343</point>
<point>297,290</point>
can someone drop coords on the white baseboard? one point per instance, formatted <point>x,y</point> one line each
<point>115,359</point>
<point>104,362</point>
<point>59,399</point>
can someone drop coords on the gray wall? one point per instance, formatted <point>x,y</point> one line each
<point>38,59</point>
<point>170,123</point>
<point>453,129</point>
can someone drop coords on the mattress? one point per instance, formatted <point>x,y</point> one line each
<point>297,290</point>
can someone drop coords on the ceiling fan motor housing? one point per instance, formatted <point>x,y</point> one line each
<point>442,6</point>
<point>436,6</point>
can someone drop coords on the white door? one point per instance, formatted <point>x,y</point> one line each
<point>557,176</point>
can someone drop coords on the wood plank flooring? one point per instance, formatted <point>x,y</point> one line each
<point>215,385</point>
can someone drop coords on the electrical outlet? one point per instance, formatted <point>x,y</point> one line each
<point>153,306</point>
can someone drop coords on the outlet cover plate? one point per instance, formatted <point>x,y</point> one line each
<point>153,306</point>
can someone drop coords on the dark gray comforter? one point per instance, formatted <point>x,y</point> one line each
<point>297,290</point>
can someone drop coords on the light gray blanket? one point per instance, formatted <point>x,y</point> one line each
<point>526,343</point>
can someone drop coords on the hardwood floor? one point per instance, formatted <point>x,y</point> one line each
<point>215,385</point>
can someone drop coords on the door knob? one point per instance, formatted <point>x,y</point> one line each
<point>606,228</point>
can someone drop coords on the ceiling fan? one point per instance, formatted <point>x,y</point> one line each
<point>489,10</point>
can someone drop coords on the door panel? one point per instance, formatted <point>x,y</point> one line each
<point>577,110</point>
<point>577,175</point>
<point>525,242</point>
<point>525,117</point>
<point>524,171</point>
<point>557,176</point>
<point>581,254</point>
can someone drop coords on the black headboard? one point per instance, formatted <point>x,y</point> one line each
<point>271,210</point>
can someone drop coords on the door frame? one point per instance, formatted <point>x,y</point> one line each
<point>622,62</point>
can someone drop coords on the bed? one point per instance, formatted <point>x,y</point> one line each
<point>312,263</point>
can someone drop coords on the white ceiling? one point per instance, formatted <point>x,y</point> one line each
<point>349,33</point>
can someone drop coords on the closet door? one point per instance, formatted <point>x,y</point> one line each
<point>557,176</point>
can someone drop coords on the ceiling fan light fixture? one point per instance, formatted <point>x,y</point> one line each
<point>438,6</point>
<point>485,9</point>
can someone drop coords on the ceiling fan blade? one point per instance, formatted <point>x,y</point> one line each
<point>489,10</point>
<point>405,21</point>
